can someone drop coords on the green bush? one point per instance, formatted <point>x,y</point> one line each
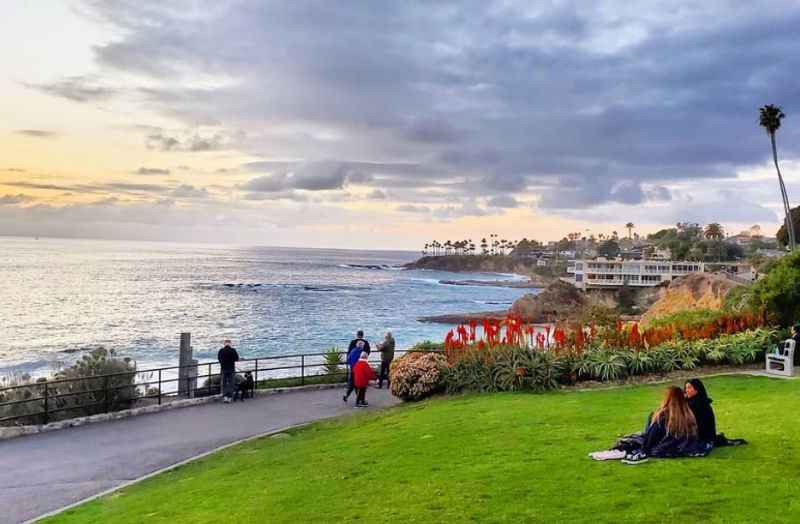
<point>427,345</point>
<point>689,318</point>
<point>604,365</point>
<point>83,395</point>
<point>513,368</point>
<point>333,361</point>
<point>638,362</point>
<point>469,373</point>
<point>778,292</point>
<point>417,375</point>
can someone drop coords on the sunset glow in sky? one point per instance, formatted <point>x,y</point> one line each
<point>385,124</point>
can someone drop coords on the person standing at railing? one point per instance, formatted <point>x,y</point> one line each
<point>387,355</point>
<point>352,359</point>
<point>227,358</point>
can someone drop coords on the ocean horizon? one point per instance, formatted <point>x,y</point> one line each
<point>67,296</point>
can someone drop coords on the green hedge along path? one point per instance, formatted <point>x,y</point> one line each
<point>489,458</point>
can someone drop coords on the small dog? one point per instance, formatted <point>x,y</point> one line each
<point>245,387</point>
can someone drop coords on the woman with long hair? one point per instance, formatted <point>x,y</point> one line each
<point>672,431</point>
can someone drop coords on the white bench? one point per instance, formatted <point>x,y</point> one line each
<point>781,362</point>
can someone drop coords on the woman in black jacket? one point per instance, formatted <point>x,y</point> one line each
<point>700,405</point>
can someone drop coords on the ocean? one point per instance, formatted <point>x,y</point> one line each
<point>62,297</point>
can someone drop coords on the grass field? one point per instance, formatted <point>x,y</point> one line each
<point>490,458</point>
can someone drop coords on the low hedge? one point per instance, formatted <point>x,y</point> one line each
<point>516,368</point>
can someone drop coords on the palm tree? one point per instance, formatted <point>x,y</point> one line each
<point>629,226</point>
<point>770,117</point>
<point>715,231</point>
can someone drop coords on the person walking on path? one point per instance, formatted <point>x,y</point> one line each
<point>227,358</point>
<point>352,359</point>
<point>387,355</point>
<point>359,336</point>
<point>362,374</point>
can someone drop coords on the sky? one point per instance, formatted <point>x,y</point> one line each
<point>385,125</point>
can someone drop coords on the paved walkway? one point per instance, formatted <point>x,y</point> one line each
<point>44,472</point>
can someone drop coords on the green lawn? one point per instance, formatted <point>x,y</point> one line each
<point>490,458</point>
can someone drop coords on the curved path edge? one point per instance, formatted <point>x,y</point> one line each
<point>189,460</point>
<point>48,472</point>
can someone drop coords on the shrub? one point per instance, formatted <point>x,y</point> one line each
<point>86,393</point>
<point>779,291</point>
<point>469,373</point>
<point>333,361</point>
<point>415,376</point>
<point>638,362</point>
<point>510,368</point>
<point>428,345</point>
<point>689,318</point>
<point>122,390</point>
<point>604,364</point>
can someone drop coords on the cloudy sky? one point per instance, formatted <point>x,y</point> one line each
<point>384,124</point>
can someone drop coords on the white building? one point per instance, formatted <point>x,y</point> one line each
<point>602,273</point>
<point>614,273</point>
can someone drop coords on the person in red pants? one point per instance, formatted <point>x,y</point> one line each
<point>362,374</point>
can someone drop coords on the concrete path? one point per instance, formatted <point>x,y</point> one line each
<point>45,472</point>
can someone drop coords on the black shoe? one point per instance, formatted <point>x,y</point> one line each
<point>344,399</point>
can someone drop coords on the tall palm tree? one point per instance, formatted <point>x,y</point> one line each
<point>770,117</point>
<point>629,226</point>
<point>715,232</point>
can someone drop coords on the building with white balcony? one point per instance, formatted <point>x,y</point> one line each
<point>602,273</point>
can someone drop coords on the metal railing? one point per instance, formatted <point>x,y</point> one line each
<point>43,401</point>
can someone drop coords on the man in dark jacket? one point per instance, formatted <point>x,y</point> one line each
<point>359,336</point>
<point>387,355</point>
<point>227,358</point>
<point>352,359</point>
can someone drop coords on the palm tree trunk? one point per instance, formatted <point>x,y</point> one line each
<point>787,208</point>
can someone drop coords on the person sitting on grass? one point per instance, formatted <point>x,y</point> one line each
<point>700,405</point>
<point>672,431</point>
<point>362,374</point>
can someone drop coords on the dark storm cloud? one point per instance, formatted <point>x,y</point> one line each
<point>76,89</point>
<point>124,188</point>
<point>152,171</point>
<point>10,200</point>
<point>37,133</point>
<point>504,201</point>
<point>164,141</point>
<point>583,104</point>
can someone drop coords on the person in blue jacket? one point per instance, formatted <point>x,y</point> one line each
<point>352,359</point>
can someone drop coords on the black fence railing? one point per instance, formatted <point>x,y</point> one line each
<point>46,401</point>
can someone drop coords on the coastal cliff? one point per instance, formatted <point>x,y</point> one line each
<point>693,291</point>
<point>486,264</point>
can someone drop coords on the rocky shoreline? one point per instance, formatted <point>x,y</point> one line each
<point>464,318</point>
<point>515,284</point>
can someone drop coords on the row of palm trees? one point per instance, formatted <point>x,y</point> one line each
<point>491,246</point>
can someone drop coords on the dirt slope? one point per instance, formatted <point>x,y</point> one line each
<point>694,291</point>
